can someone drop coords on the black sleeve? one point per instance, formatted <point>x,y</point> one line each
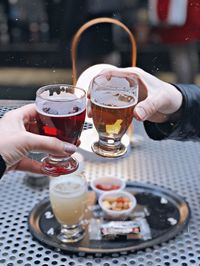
<point>2,166</point>
<point>188,127</point>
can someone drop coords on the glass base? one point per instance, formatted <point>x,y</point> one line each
<point>71,234</point>
<point>55,168</point>
<point>110,152</point>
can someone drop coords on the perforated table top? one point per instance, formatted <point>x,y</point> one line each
<point>171,164</point>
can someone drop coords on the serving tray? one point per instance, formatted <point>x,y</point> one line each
<point>166,213</point>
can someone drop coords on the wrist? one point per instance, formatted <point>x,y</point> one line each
<point>177,103</point>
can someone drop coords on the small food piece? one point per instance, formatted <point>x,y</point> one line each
<point>111,199</point>
<point>113,187</point>
<point>107,187</point>
<point>106,204</point>
<point>127,205</point>
<point>117,203</point>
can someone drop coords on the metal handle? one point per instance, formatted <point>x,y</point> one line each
<point>87,25</point>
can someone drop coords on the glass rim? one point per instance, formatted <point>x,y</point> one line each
<point>64,178</point>
<point>56,85</point>
<point>110,86</point>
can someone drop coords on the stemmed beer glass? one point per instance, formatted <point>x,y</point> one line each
<point>61,109</point>
<point>113,97</point>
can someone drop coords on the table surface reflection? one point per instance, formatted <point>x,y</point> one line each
<point>171,164</point>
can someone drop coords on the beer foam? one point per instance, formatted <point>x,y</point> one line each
<point>113,99</point>
<point>63,109</point>
<point>62,96</point>
<point>113,82</point>
<point>68,186</point>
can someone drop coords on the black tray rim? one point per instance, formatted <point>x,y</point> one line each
<point>34,228</point>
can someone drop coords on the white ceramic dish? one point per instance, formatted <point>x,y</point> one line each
<point>107,181</point>
<point>122,214</point>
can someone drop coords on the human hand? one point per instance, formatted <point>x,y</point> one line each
<point>158,101</point>
<point>16,141</point>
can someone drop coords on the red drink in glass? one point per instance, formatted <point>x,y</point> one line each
<point>61,112</point>
<point>67,128</point>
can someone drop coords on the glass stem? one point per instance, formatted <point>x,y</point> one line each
<point>109,144</point>
<point>71,233</point>
<point>52,159</point>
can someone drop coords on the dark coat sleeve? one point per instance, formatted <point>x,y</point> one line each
<point>2,166</point>
<point>188,127</point>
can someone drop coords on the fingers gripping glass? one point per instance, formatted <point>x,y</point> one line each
<point>113,97</point>
<point>61,109</point>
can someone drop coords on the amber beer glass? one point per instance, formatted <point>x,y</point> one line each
<point>61,113</point>
<point>113,98</point>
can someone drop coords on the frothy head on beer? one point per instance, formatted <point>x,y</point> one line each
<point>62,101</point>
<point>114,91</point>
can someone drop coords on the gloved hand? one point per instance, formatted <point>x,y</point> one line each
<point>16,141</point>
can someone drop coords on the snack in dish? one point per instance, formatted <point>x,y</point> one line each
<point>107,183</point>
<point>117,204</point>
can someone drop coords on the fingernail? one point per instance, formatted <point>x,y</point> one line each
<point>70,148</point>
<point>140,113</point>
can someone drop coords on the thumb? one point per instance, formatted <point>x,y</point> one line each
<point>145,109</point>
<point>49,145</point>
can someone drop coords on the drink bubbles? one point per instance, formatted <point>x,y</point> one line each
<point>68,198</point>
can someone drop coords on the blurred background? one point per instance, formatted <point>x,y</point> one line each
<point>35,40</point>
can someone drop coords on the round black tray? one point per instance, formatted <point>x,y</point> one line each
<point>162,206</point>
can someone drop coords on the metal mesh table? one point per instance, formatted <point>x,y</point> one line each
<point>174,165</point>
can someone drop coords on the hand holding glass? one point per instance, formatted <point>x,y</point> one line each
<point>113,98</point>
<point>61,109</point>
